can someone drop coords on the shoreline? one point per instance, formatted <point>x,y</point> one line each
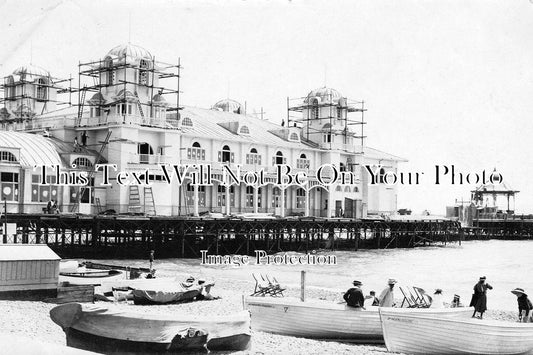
<point>31,318</point>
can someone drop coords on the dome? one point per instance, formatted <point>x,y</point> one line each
<point>228,105</point>
<point>31,70</point>
<point>130,51</point>
<point>324,94</point>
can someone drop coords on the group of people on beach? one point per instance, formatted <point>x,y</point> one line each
<point>355,298</point>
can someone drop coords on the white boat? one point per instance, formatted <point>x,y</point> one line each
<point>83,276</point>
<point>416,333</point>
<point>325,319</point>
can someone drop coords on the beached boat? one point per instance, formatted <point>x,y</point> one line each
<point>85,276</point>
<point>96,328</point>
<point>415,333</point>
<point>164,297</point>
<point>327,320</point>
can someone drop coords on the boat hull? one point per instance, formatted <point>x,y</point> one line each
<point>323,319</point>
<point>96,328</point>
<point>420,334</point>
<point>142,297</point>
<point>88,277</point>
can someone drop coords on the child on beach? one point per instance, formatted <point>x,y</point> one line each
<point>524,305</point>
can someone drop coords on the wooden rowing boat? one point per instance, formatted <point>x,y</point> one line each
<point>96,328</point>
<point>428,334</point>
<point>326,320</point>
<point>91,276</point>
<point>165,297</point>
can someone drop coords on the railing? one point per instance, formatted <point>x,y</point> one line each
<point>148,159</point>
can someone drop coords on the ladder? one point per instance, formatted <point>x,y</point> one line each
<point>134,203</point>
<point>80,107</point>
<point>91,173</point>
<point>149,203</point>
<point>139,105</point>
<point>98,205</point>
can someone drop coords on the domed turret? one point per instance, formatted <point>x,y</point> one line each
<point>130,51</point>
<point>324,94</point>
<point>228,105</point>
<point>31,72</point>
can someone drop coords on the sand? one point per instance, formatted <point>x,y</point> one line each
<point>31,319</point>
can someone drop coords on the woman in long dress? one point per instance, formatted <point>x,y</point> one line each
<point>479,298</point>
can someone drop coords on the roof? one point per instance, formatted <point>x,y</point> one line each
<point>325,94</point>
<point>130,51</point>
<point>34,149</point>
<point>31,70</point>
<point>12,252</point>
<point>502,188</point>
<point>228,105</point>
<point>372,153</point>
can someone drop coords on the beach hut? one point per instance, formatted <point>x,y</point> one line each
<point>28,268</point>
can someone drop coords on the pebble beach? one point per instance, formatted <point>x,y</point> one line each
<point>30,318</point>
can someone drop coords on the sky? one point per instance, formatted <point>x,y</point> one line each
<point>445,82</point>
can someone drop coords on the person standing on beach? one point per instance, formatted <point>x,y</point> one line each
<point>479,298</point>
<point>354,296</point>
<point>524,305</point>
<point>151,259</point>
<point>386,299</point>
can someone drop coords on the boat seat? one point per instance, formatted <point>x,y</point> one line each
<point>262,287</point>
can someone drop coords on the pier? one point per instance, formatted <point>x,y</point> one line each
<point>130,236</point>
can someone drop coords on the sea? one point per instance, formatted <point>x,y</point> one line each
<point>454,268</point>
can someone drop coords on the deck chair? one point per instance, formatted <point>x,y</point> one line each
<point>408,299</point>
<point>277,290</point>
<point>422,297</point>
<point>262,287</point>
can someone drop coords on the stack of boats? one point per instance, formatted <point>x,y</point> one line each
<point>405,330</point>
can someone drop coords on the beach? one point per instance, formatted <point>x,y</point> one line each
<point>31,318</point>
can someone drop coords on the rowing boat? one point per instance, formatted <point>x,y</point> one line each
<point>423,334</point>
<point>85,276</point>
<point>100,329</point>
<point>326,320</point>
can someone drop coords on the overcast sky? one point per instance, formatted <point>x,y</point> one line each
<point>445,82</point>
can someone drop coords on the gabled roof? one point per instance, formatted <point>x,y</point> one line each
<point>18,252</point>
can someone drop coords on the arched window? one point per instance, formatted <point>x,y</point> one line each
<point>339,188</point>
<point>81,163</point>
<point>196,152</point>
<point>10,87</point>
<point>314,108</point>
<point>300,198</point>
<point>347,189</point>
<point>355,189</point>
<point>253,158</point>
<point>7,156</point>
<point>327,133</point>
<point>187,122</point>
<point>279,159</point>
<point>144,150</point>
<point>196,145</point>
<point>143,72</point>
<point>42,88</point>
<point>244,130</point>
<point>302,162</point>
<point>294,137</point>
<point>110,73</point>
<point>226,154</point>
<point>253,150</point>
<point>339,112</point>
<point>302,156</point>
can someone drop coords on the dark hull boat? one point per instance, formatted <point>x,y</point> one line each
<point>163,297</point>
<point>100,329</point>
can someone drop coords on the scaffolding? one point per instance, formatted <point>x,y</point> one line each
<point>94,77</point>
<point>13,91</point>
<point>345,118</point>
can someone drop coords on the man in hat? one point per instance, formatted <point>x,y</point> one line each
<point>524,304</point>
<point>354,296</point>
<point>386,299</point>
<point>479,298</point>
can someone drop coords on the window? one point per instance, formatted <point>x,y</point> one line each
<point>342,167</point>
<point>347,189</point>
<point>302,162</point>
<point>327,138</point>
<point>110,73</point>
<point>7,156</point>
<point>190,195</point>
<point>221,196</point>
<point>382,176</point>
<point>250,196</point>
<point>196,152</point>
<point>187,122</point>
<point>300,198</point>
<point>314,108</point>
<point>143,72</point>
<point>279,159</point>
<point>9,184</point>
<point>339,112</point>
<point>10,87</point>
<point>144,150</point>
<point>44,193</point>
<point>244,130</point>
<point>225,155</point>
<point>253,158</point>
<point>82,163</point>
<point>276,197</point>
<point>294,137</point>
<point>95,111</point>
<point>42,88</point>
<point>88,193</point>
